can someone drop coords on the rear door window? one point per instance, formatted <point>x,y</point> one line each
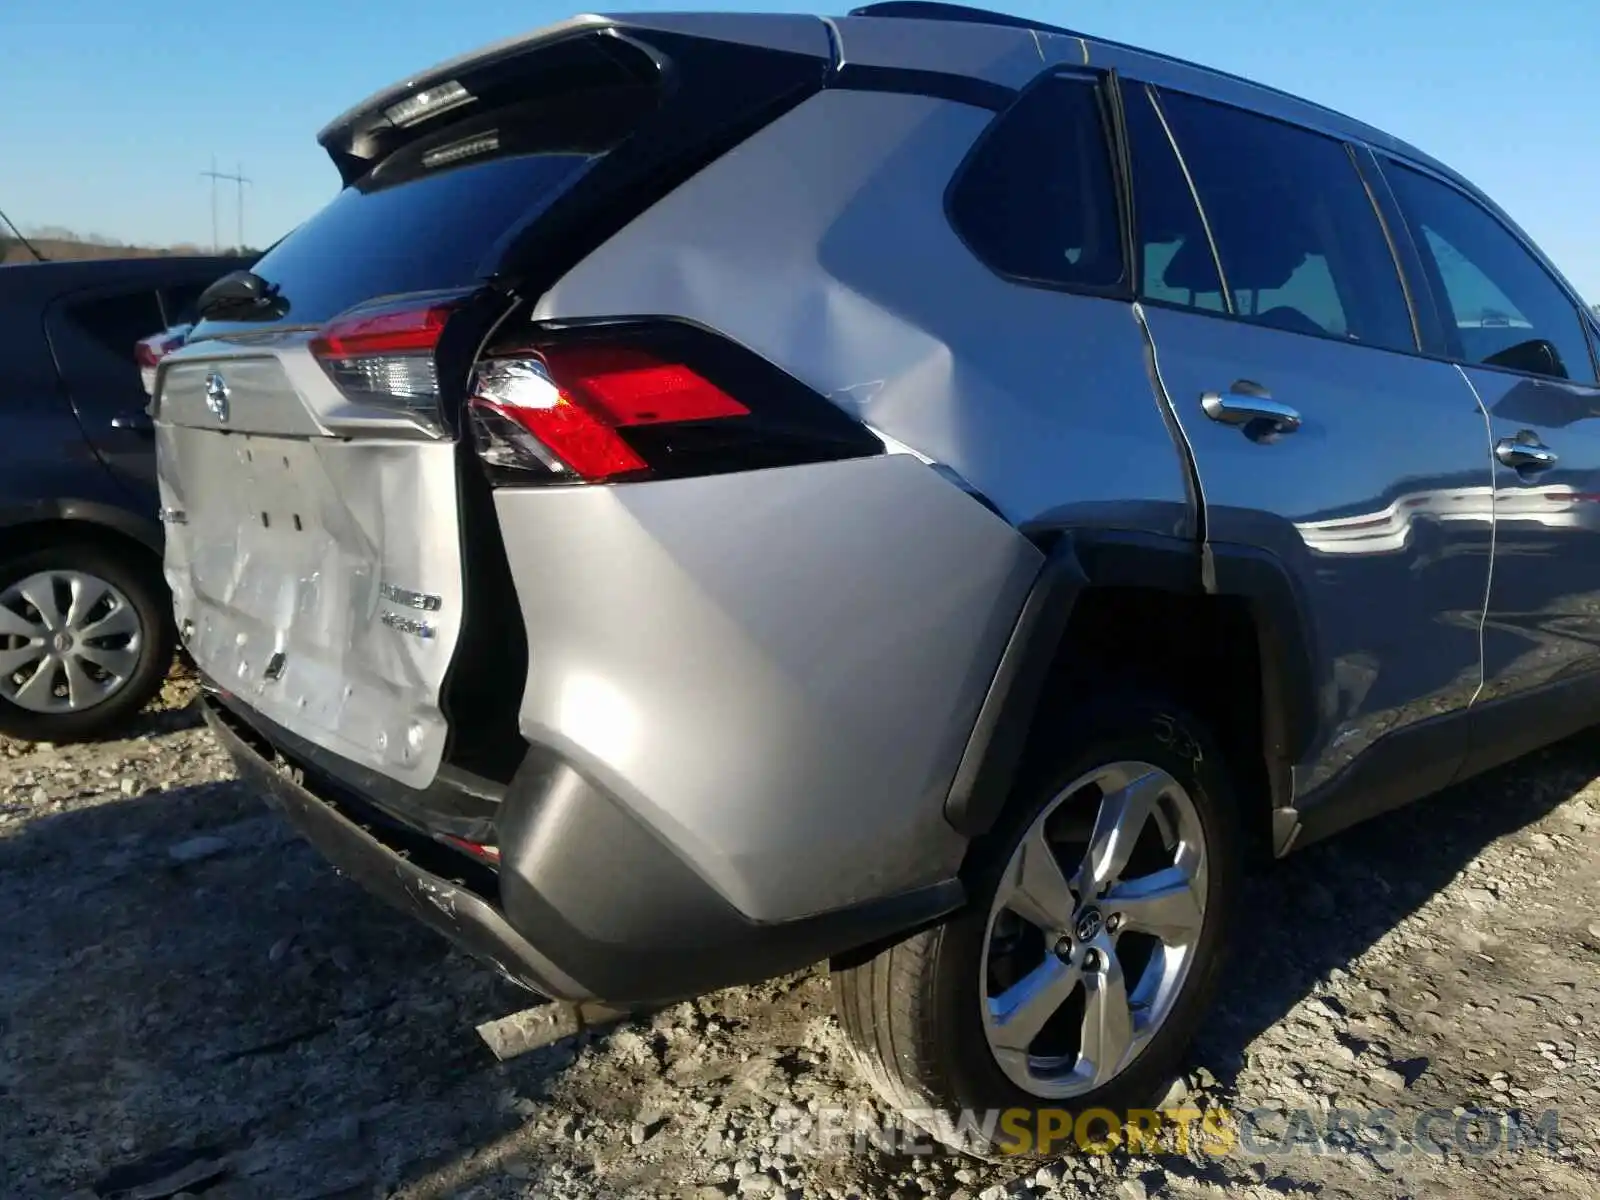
<point>1177,264</point>
<point>92,338</point>
<point>1503,307</point>
<point>179,303</point>
<point>107,326</point>
<point>1037,201</point>
<point>1300,242</point>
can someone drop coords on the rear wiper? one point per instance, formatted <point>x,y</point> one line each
<point>243,296</point>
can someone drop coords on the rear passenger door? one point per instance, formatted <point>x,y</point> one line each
<point>1286,345</point>
<point>92,335</point>
<point>1522,340</point>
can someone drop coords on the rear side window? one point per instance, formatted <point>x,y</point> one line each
<point>1504,308</point>
<point>1299,239</point>
<point>1036,200</point>
<point>114,323</point>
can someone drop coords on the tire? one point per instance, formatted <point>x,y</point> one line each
<point>136,637</point>
<point>912,1012</point>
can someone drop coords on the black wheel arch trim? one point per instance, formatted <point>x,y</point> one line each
<point>147,532</point>
<point>1290,659</point>
<point>994,748</point>
<point>1079,559</point>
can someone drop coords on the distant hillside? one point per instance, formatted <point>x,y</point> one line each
<point>58,245</point>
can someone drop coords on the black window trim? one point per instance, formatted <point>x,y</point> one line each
<point>1154,95</point>
<point>1352,148</point>
<point>1367,159</point>
<point>1382,157</point>
<point>1393,224</point>
<point>1592,328</point>
<point>1103,81</point>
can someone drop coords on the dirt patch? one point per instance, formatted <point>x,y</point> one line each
<point>191,1002</point>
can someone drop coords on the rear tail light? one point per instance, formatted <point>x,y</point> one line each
<point>384,354</point>
<point>479,850</point>
<point>647,400</point>
<point>148,353</point>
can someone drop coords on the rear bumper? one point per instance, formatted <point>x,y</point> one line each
<point>588,905</point>
<point>450,908</point>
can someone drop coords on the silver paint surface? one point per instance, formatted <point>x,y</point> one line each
<point>823,245</point>
<point>291,538</point>
<point>776,670</point>
<point>1385,528</point>
<point>1543,621</point>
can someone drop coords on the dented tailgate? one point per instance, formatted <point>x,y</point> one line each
<point>315,574</point>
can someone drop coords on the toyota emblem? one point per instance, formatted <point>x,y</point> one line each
<point>217,396</point>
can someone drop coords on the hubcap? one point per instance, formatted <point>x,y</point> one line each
<point>1082,963</point>
<point>67,641</point>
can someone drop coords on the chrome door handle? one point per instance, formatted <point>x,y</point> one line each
<point>1525,452</point>
<point>1246,402</point>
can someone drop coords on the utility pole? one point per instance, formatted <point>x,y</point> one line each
<point>239,180</point>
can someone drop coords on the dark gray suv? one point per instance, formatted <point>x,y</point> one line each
<point>85,625</point>
<point>919,489</point>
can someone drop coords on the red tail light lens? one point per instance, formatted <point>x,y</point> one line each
<point>383,354</point>
<point>479,850</point>
<point>574,399</point>
<point>400,330</point>
<point>148,353</point>
<point>646,398</point>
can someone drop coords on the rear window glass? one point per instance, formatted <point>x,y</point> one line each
<point>431,212</point>
<point>431,232</point>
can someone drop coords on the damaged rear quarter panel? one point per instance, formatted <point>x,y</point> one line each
<point>823,245</point>
<point>775,670</point>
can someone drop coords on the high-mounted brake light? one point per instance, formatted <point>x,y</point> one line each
<point>573,400</point>
<point>148,353</point>
<point>383,354</point>
<point>422,106</point>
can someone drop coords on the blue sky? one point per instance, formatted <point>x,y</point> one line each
<point>113,109</point>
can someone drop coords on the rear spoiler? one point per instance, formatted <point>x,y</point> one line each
<point>580,51</point>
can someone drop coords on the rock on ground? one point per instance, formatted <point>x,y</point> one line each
<point>190,999</point>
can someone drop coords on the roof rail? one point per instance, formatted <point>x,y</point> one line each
<point>936,10</point>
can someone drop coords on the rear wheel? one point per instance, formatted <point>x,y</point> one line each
<point>1089,952</point>
<point>85,640</point>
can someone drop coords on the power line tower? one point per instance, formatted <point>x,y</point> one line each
<point>239,180</point>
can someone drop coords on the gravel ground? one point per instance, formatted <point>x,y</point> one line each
<point>192,1004</point>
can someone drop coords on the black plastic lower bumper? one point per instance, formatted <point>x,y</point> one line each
<point>591,904</point>
<point>450,908</point>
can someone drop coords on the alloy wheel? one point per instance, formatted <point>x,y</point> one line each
<point>1093,929</point>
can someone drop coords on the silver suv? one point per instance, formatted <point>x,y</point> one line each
<point>918,489</point>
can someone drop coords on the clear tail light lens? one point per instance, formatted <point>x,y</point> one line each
<point>383,354</point>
